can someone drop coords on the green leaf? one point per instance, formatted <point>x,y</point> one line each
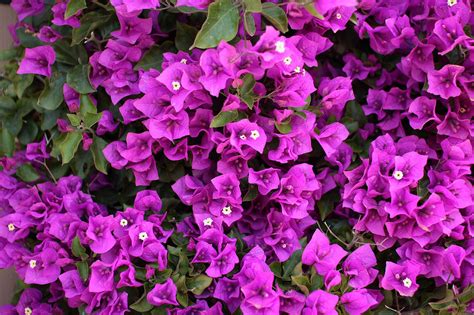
<point>90,119</point>
<point>21,83</point>
<point>99,160</point>
<point>8,142</point>
<point>73,7</point>
<point>302,282</point>
<point>312,10</point>
<point>74,119</point>
<point>221,119</point>
<point>89,22</point>
<point>7,105</point>
<point>249,24</point>
<point>27,173</point>
<point>28,133</point>
<point>251,194</point>
<point>246,90</point>
<point>27,38</point>
<point>87,106</point>
<point>70,56</point>
<point>78,79</point>
<point>275,15</point>
<point>78,250</point>
<point>326,204</point>
<point>284,127</point>
<point>83,268</point>
<point>185,36</point>
<point>142,305</point>
<point>68,147</point>
<point>221,24</point>
<point>254,6</point>
<point>8,54</point>
<point>52,95</point>
<point>198,284</point>
<point>154,57</point>
<point>291,264</point>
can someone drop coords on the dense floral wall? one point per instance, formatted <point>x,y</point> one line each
<point>238,157</point>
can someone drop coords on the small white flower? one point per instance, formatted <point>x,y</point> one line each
<point>280,46</point>
<point>11,227</point>
<point>452,2</point>
<point>207,222</point>
<point>398,175</point>
<point>123,222</point>
<point>28,311</point>
<point>254,134</point>
<point>407,282</point>
<point>287,61</point>
<point>176,85</point>
<point>243,137</point>
<point>227,210</point>
<point>297,69</point>
<point>32,263</point>
<point>143,236</point>
<point>338,16</point>
<point>183,61</point>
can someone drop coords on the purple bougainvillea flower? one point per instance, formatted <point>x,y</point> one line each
<point>291,301</point>
<point>403,202</point>
<point>100,232</point>
<point>38,60</point>
<point>147,200</point>
<point>408,170</point>
<point>102,277</point>
<point>266,179</point>
<point>452,125</point>
<point>422,110</point>
<point>358,266</point>
<point>131,28</point>
<point>259,296</point>
<point>48,35</point>
<point>106,123</point>
<point>321,254</point>
<point>227,187</point>
<point>37,150</point>
<point>357,302</point>
<point>223,263</point>
<point>42,268</point>
<point>320,302</point>
<point>247,134</point>
<point>443,82</point>
<point>331,137</point>
<point>59,11</point>
<point>25,8</point>
<point>163,294</point>
<point>401,277</point>
<point>72,283</point>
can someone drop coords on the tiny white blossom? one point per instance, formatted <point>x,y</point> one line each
<point>280,46</point>
<point>297,69</point>
<point>176,85</point>
<point>123,222</point>
<point>243,137</point>
<point>207,222</point>
<point>452,2</point>
<point>398,175</point>
<point>143,236</point>
<point>338,16</point>
<point>183,61</point>
<point>407,282</point>
<point>227,210</point>
<point>287,61</point>
<point>11,227</point>
<point>32,263</point>
<point>28,311</point>
<point>255,134</point>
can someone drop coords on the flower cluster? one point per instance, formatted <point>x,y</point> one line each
<point>247,157</point>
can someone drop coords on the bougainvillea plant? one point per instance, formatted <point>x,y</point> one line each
<point>238,157</point>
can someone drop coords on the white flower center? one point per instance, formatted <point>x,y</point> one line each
<point>398,175</point>
<point>28,311</point>
<point>243,137</point>
<point>207,222</point>
<point>143,236</point>
<point>183,61</point>
<point>452,2</point>
<point>176,85</point>
<point>32,263</point>
<point>338,16</point>
<point>297,69</point>
<point>280,46</point>
<point>11,227</point>
<point>407,282</point>
<point>254,134</point>
<point>123,222</point>
<point>227,210</point>
<point>287,61</point>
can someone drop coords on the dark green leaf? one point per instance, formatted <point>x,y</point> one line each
<point>91,119</point>
<point>87,106</point>
<point>249,24</point>
<point>27,38</point>
<point>251,194</point>
<point>185,36</point>
<point>69,145</point>
<point>302,282</point>
<point>77,249</point>
<point>27,173</point>
<point>78,79</point>
<point>312,10</point>
<point>154,57</point>
<point>99,160</point>
<point>69,56</point>
<point>275,15</point>
<point>8,54</point>
<point>198,284</point>
<point>22,82</point>
<point>73,7</point>
<point>28,133</point>
<point>8,142</point>
<point>7,105</point>
<point>52,96</point>
<point>74,119</point>
<point>89,22</point>
<point>254,6</point>
<point>291,263</point>
<point>142,305</point>
<point>83,268</point>
<point>221,24</point>
<point>221,119</point>
<point>283,128</point>
<point>246,90</point>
